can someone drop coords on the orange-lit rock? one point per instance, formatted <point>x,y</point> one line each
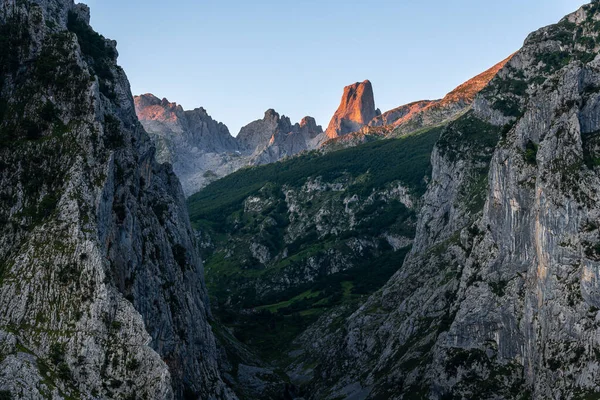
<point>356,110</point>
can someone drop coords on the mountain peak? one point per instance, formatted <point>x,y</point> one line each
<point>271,114</point>
<point>310,123</point>
<point>357,109</point>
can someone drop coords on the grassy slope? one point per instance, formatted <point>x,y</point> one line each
<point>277,319</point>
<point>405,159</point>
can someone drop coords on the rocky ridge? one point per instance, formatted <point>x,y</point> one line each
<point>199,148</point>
<point>356,110</point>
<point>202,150</point>
<point>205,151</point>
<point>418,115</point>
<point>101,286</point>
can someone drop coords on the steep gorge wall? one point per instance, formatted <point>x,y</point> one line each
<point>499,297</point>
<point>101,287</point>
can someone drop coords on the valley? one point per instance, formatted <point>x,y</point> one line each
<point>444,249</point>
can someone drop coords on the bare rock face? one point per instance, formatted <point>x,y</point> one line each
<point>101,286</point>
<point>389,118</point>
<point>453,105</point>
<point>286,140</point>
<point>499,297</point>
<point>202,150</point>
<point>356,110</point>
<point>415,116</point>
<point>197,127</point>
<point>259,133</point>
<point>199,148</point>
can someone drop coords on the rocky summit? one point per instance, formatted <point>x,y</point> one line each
<point>202,150</point>
<point>199,148</point>
<point>445,249</point>
<point>356,110</point>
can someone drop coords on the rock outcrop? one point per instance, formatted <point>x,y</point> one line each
<point>258,134</point>
<point>499,296</point>
<point>415,116</point>
<point>199,148</point>
<point>389,118</point>
<point>202,150</point>
<point>286,140</point>
<point>160,117</point>
<point>356,110</point>
<point>101,287</point>
<point>453,105</point>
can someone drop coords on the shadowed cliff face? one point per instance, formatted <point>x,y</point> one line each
<point>356,110</point>
<point>499,296</point>
<point>101,287</point>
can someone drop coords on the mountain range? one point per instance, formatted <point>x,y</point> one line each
<point>202,150</point>
<point>446,249</point>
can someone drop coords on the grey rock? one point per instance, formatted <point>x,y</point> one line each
<point>202,150</point>
<point>101,287</point>
<point>498,299</point>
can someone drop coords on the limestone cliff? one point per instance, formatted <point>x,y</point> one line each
<point>415,116</point>
<point>285,140</point>
<point>199,148</point>
<point>101,286</point>
<point>202,150</point>
<point>499,296</point>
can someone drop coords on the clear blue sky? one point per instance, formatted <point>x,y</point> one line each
<point>237,58</point>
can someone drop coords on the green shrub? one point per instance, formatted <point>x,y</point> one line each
<point>553,61</point>
<point>113,135</point>
<point>508,106</point>
<point>133,365</point>
<point>530,154</point>
<point>57,353</point>
<point>93,45</point>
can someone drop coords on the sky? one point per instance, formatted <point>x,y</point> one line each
<point>238,58</point>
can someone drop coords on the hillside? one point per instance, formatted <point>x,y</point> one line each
<point>286,242</point>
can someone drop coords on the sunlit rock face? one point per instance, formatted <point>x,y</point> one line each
<point>356,110</point>
<point>165,118</point>
<point>415,116</point>
<point>199,148</point>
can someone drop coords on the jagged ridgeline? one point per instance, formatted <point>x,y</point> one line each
<point>286,242</point>
<point>101,288</point>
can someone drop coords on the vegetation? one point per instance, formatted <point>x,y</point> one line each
<point>530,154</point>
<point>553,61</point>
<point>92,44</point>
<point>270,328</point>
<point>406,159</point>
<point>591,149</point>
<point>471,136</point>
<point>99,53</point>
<point>271,319</point>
